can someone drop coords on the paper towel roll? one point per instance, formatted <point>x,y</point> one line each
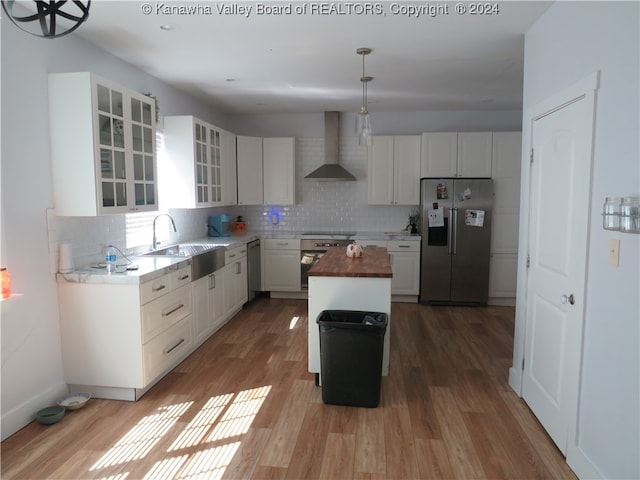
<point>65,263</point>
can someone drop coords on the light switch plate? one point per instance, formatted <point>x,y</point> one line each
<point>614,252</point>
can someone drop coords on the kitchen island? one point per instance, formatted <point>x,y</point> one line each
<point>337,282</point>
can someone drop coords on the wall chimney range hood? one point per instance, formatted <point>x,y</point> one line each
<point>331,170</point>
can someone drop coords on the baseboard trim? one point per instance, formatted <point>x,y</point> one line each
<point>295,295</point>
<point>501,302</point>
<point>581,465</point>
<point>515,380</point>
<point>23,414</point>
<point>404,298</point>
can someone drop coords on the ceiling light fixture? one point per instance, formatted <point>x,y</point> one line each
<point>54,18</point>
<point>363,121</point>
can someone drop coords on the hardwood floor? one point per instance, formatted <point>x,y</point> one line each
<point>244,406</point>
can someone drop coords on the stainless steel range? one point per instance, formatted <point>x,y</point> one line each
<point>313,245</point>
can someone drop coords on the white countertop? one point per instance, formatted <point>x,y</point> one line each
<point>151,267</point>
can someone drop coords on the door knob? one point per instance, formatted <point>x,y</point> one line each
<point>568,299</point>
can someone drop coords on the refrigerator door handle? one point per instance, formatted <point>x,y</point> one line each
<point>453,221</point>
<point>450,237</point>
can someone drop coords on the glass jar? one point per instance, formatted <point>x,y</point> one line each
<point>6,282</point>
<point>611,213</point>
<point>630,215</point>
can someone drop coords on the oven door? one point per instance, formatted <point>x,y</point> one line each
<point>308,258</point>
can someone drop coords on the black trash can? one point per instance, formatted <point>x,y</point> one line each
<point>351,350</point>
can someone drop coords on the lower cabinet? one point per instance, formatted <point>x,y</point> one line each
<point>405,263</point>
<point>220,295</point>
<point>281,265</point>
<point>119,339</point>
<point>234,278</point>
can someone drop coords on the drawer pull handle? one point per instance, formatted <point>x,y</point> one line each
<point>173,311</point>
<point>180,342</point>
<point>158,288</point>
<point>283,244</point>
<point>404,246</point>
<point>233,255</point>
<point>184,277</point>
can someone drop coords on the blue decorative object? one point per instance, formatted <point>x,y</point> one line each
<point>55,17</point>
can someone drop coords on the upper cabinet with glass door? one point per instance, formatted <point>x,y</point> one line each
<point>191,173</point>
<point>103,146</point>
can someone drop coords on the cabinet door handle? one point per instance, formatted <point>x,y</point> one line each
<point>173,310</point>
<point>180,342</point>
<point>158,288</point>
<point>238,268</point>
<point>184,277</point>
<point>212,282</point>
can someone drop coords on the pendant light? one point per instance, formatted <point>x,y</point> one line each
<point>51,19</point>
<point>363,120</point>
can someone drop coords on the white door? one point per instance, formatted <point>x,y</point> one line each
<point>558,222</point>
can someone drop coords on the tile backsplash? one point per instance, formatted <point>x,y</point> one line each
<point>333,206</point>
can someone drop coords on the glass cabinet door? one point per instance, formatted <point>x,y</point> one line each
<point>111,137</point>
<point>215,161</point>
<point>202,164</point>
<point>143,144</point>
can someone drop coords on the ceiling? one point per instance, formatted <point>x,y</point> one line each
<point>257,62</point>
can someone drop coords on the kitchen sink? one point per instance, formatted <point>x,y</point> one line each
<point>205,259</point>
<point>181,250</point>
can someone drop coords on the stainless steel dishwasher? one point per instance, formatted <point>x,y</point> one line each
<point>253,269</point>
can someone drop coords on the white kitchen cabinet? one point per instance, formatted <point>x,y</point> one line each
<point>203,307</point>
<point>192,175</point>
<point>220,295</point>
<point>405,263</point>
<point>281,265</point>
<point>103,146</point>
<point>506,165</point>
<point>250,173</point>
<point>279,170</point>
<point>394,170</point>
<point>229,169</point>
<point>453,155</point>
<point>372,243</point>
<point>439,155</point>
<point>119,339</point>
<point>474,154</point>
<point>235,280</point>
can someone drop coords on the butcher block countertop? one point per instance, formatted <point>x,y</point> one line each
<point>374,262</point>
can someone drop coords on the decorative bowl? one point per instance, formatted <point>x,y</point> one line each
<point>74,401</point>
<point>50,415</point>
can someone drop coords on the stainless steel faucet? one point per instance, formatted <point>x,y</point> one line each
<point>173,224</point>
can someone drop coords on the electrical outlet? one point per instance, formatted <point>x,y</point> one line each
<point>614,252</point>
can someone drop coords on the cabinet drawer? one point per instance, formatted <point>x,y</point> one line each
<point>165,311</point>
<point>155,289</point>
<point>282,244</point>
<point>180,277</point>
<point>167,349</point>
<point>372,243</point>
<point>235,254</point>
<point>406,246</point>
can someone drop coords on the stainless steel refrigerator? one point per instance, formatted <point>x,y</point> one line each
<point>456,240</point>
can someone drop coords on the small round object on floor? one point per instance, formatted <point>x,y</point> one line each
<point>50,415</point>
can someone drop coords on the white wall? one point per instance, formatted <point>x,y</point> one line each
<point>570,41</point>
<point>384,123</point>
